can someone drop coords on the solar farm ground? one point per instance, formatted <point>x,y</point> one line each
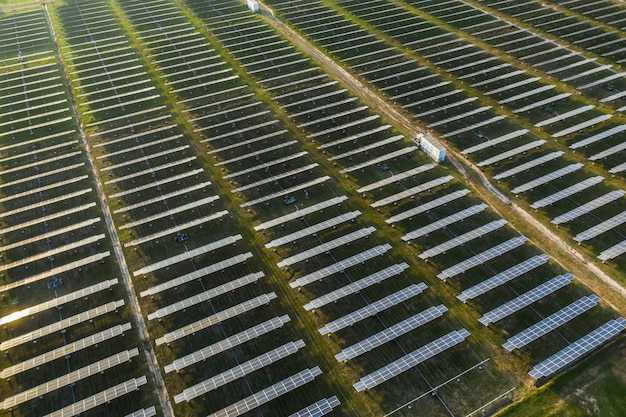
<point>281,246</point>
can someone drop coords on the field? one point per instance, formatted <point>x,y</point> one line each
<point>279,241</point>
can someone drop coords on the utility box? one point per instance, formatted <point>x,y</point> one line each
<point>432,147</point>
<point>253,5</point>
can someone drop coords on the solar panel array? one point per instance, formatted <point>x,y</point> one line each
<point>239,371</point>
<point>373,308</point>
<point>325,247</point>
<point>579,348</point>
<point>613,252</point>
<point>526,299</point>
<point>225,344</point>
<point>356,286</point>
<point>601,228</point>
<point>411,191</point>
<point>391,333</point>
<point>188,254</point>
<point>482,257</point>
<point>396,178</point>
<point>441,223</point>
<point>58,301</point>
<point>61,324</point>
<point>65,350</point>
<point>566,192</point>
<point>100,398</point>
<point>216,318</point>
<point>503,277</point>
<point>411,360</point>
<point>588,207</point>
<point>312,230</point>
<point>546,178</point>
<point>318,409</point>
<point>462,239</point>
<point>69,378</point>
<point>551,322</point>
<point>300,213</point>
<point>340,266</point>
<point>206,295</point>
<point>535,162</point>
<point>425,207</point>
<point>144,412</point>
<point>269,393</point>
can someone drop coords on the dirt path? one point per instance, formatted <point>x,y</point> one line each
<point>379,105</point>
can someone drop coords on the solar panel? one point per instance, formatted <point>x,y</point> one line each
<point>65,350</point>
<point>380,159</point>
<point>495,141</point>
<point>504,276</point>
<point>600,228</point>
<point>613,252</point>
<point>69,378</point>
<point>299,213</point>
<point>551,322</point>
<point>269,393</point>
<point>474,126</point>
<point>445,221</point>
<point>318,409</point>
<point>357,286</point>
<point>428,206</point>
<point>366,148</point>
<point>582,125</point>
<point>459,116</point>
<point>412,191</point>
<point>100,398</point>
<point>144,412</point>
<point>196,274</point>
<point>354,137</point>
<point>52,252</point>
<point>239,371</point>
<point>547,178</point>
<point>579,348</point>
<point>341,265</point>
<point>206,295</point>
<point>325,247</point>
<point>541,103</point>
<point>228,343</point>
<point>608,152</point>
<point>373,308</point>
<point>265,165</point>
<point>528,165</point>
<point>391,333</point>
<point>151,170</point>
<point>588,207</point>
<point>218,317</point>
<point>286,191</point>
<point>188,254</point>
<point>566,192</point>
<point>178,228</point>
<point>256,153</point>
<point>62,324</point>
<point>462,239</point>
<point>526,299</point>
<point>511,153</point>
<point>564,116</point>
<point>84,292</point>
<point>313,229</point>
<point>411,360</point>
<point>482,257</point>
<point>618,168</point>
<point>275,178</point>
<point>181,191</point>
<point>526,94</point>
